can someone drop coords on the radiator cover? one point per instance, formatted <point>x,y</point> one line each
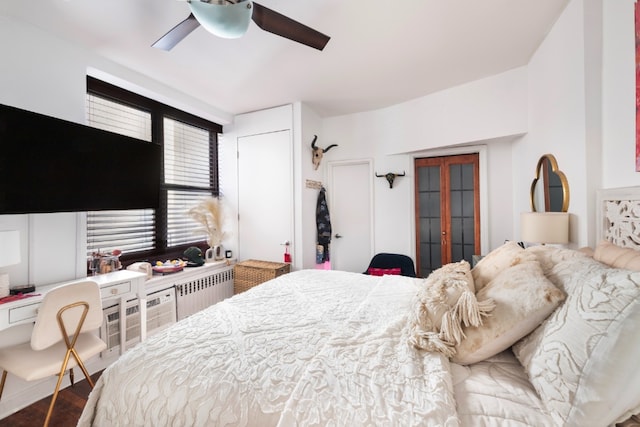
<point>202,292</point>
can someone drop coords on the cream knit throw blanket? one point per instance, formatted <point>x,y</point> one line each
<point>444,303</point>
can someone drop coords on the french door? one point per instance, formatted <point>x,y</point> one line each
<point>447,204</point>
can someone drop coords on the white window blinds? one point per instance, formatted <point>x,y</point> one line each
<point>119,118</point>
<point>128,230</point>
<point>187,156</point>
<point>187,176</point>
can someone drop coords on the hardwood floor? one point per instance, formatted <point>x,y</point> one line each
<point>66,413</point>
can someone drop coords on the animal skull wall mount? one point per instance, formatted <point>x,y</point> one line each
<point>318,152</point>
<point>390,177</point>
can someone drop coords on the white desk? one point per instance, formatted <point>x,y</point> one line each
<point>118,286</point>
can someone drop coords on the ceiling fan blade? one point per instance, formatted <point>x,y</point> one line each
<point>276,23</point>
<point>177,33</point>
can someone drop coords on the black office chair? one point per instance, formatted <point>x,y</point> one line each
<point>387,261</point>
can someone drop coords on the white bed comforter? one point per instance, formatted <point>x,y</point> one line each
<point>309,348</point>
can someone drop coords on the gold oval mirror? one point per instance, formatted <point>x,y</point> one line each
<point>550,188</point>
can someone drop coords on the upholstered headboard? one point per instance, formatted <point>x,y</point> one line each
<point>618,216</point>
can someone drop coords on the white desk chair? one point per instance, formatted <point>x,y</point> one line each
<point>78,310</point>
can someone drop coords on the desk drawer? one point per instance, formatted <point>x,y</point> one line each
<point>115,290</point>
<point>23,313</point>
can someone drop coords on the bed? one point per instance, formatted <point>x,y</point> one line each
<point>553,342</point>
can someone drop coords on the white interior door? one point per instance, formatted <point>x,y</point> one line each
<point>351,210</point>
<point>265,195</point>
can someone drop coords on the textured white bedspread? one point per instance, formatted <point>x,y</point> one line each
<point>497,393</point>
<point>309,348</point>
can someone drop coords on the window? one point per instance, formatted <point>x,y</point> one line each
<point>190,173</point>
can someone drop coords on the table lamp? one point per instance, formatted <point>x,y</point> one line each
<point>544,227</point>
<point>9,255</point>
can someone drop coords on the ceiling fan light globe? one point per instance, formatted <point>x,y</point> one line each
<point>225,20</point>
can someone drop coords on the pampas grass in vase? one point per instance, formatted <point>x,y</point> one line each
<point>209,213</point>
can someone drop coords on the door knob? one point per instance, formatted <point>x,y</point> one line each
<point>338,236</point>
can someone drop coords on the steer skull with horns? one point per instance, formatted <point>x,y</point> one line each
<point>391,177</point>
<point>318,152</point>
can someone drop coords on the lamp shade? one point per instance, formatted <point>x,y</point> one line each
<point>9,247</point>
<point>544,227</point>
<point>226,20</point>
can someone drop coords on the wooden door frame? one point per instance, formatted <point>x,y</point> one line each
<point>481,150</point>
<point>444,164</point>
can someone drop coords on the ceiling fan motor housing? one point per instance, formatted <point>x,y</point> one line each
<point>226,20</point>
<point>230,19</point>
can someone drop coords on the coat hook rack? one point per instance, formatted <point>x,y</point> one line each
<point>390,177</point>
<point>316,185</point>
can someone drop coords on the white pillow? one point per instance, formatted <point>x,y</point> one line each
<point>549,256</point>
<point>583,360</point>
<point>616,256</point>
<point>523,298</point>
<point>497,261</point>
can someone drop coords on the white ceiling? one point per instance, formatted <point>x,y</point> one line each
<point>380,53</point>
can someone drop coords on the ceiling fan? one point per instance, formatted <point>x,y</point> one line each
<point>231,18</point>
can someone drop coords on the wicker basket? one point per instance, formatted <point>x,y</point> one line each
<point>247,274</point>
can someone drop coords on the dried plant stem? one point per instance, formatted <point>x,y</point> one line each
<point>209,214</point>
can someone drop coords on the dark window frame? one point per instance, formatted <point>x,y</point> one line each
<point>158,112</point>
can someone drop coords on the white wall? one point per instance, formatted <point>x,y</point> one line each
<point>557,118</point>
<point>308,125</point>
<point>575,99</point>
<point>489,112</point>
<point>485,109</point>
<point>595,45</point>
<point>618,100</point>
<point>47,75</point>
<point>582,108</point>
